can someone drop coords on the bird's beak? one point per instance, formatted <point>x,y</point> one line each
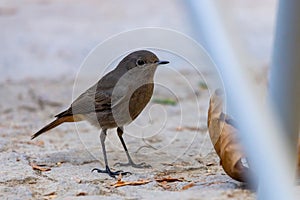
<point>162,62</point>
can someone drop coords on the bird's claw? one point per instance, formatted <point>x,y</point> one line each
<point>111,173</point>
<point>132,164</point>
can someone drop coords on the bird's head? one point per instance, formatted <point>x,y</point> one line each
<point>141,59</point>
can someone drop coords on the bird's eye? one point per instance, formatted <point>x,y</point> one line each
<point>140,62</point>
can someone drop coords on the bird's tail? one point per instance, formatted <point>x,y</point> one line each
<point>53,124</point>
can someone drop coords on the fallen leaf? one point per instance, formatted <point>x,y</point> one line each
<point>164,185</point>
<point>78,180</point>
<point>192,184</point>
<point>210,164</point>
<point>169,179</point>
<point>81,194</point>
<point>39,168</point>
<point>120,177</point>
<point>190,128</point>
<point>224,137</point>
<point>121,183</point>
<point>51,195</point>
<point>37,143</point>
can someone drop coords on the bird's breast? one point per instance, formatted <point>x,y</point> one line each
<point>139,99</point>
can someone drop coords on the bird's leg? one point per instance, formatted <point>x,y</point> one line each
<point>130,161</point>
<point>107,169</point>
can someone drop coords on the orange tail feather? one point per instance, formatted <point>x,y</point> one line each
<point>53,124</point>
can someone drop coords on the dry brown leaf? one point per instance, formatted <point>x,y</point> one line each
<point>51,195</point>
<point>81,194</point>
<point>37,143</point>
<point>164,185</point>
<point>39,168</point>
<point>120,177</point>
<point>78,180</point>
<point>192,184</point>
<point>224,135</point>
<point>189,128</point>
<point>121,183</point>
<point>40,143</point>
<point>210,164</point>
<point>169,179</point>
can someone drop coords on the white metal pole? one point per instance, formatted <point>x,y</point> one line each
<point>260,131</point>
<point>285,71</point>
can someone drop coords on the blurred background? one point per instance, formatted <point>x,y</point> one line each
<point>43,45</point>
<point>48,39</point>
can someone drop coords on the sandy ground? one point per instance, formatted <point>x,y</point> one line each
<point>184,153</point>
<point>43,44</point>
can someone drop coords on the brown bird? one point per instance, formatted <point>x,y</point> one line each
<point>114,101</point>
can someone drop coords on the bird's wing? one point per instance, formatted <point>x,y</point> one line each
<point>99,97</point>
<point>90,101</point>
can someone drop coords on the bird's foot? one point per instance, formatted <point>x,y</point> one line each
<point>111,173</point>
<point>132,164</point>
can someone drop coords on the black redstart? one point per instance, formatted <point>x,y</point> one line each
<point>114,101</point>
